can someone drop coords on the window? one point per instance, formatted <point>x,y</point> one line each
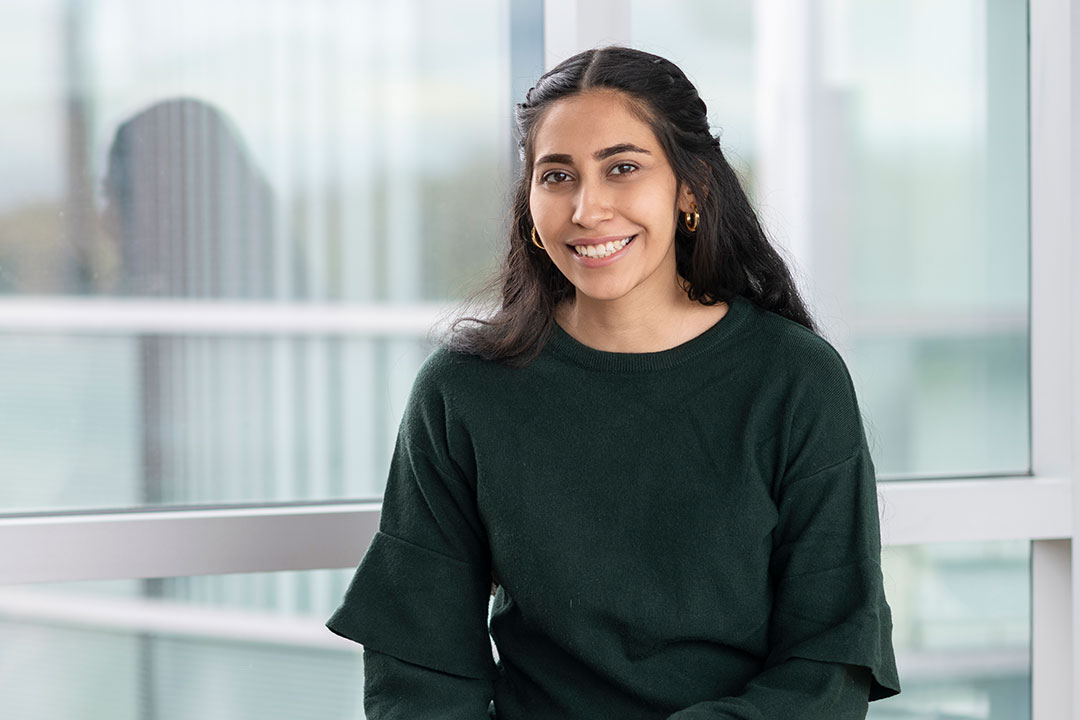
<point>886,144</point>
<point>226,229</point>
<point>255,219</point>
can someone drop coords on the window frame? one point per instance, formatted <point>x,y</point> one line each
<point>1054,107</point>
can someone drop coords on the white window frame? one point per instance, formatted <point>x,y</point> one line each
<point>301,536</point>
<point>1054,87</point>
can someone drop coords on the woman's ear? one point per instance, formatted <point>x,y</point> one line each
<point>686,198</point>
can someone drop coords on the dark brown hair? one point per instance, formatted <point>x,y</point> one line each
<point>727,256</point>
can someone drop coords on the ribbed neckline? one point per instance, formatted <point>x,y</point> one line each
<point>562,344</point>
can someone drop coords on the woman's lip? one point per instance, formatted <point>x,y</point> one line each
<point>593,262</point>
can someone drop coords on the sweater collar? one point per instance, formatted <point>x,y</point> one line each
<point>561,344</point>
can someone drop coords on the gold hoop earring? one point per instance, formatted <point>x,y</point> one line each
<point>691,227</point>
<point>536,242</point>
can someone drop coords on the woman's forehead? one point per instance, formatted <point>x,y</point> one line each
<point>589,122</point>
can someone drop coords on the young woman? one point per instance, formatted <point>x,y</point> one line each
<point>647,449</point>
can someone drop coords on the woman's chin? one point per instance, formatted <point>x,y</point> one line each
<point>593,293</point>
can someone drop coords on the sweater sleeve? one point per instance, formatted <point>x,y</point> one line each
<point>831,626</point>
<point>830,629</point>
<point>419,598</point>
<point>807,689</point>
<point>397,690</point>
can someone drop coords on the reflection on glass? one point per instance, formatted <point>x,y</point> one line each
<point>302,150</point>
<point>962,616</point>
<point>885,144</point>
<point>238,153</point>
<point>220,647</point>
<point>189,213</point>
<point>94,421</point>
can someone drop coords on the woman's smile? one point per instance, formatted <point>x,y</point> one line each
<point>597,252</point>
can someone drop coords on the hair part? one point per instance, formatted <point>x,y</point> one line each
<point>727,256</point>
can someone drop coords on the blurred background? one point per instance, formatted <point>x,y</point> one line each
<point>166,166</point>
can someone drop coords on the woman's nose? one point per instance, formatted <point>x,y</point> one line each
<point>592,204</point>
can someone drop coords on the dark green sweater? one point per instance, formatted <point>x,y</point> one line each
<point>690,533</point>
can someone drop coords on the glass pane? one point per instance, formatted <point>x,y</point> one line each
<point>885,145</point>
<point>962,619</point>
<point>119,421</point>
<point>224,647</point>
<point>287,150</point>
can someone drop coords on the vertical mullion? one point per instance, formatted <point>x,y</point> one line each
<point>571,26</point>
<point>560,31</point>
<point>602,22</point>
<point>1072,195</point>
<point>1050,640</point>
<point>783,112</point>
<point>1055,345</point>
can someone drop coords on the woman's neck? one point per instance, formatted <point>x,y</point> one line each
<point>630,326</point>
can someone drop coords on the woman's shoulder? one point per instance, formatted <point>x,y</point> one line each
<point>448,374</point>
<point>808,378</point>
<point>446,389</point>
<point>446,365</point>
<point>794,349</point>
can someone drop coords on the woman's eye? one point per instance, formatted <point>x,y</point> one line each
<point>624,168</point>
<point>556,176</point>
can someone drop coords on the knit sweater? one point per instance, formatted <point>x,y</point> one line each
<point>690,533</point>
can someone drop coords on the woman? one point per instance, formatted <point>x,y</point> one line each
<point>647,448</point>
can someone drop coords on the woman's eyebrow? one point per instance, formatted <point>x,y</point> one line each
<point>558,158</point>
<point>564,159</point>
<point>616,149</point>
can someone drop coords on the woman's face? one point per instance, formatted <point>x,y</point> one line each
<point>603,198</point>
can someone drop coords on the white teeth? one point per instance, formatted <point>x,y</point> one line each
<point>602,250</point>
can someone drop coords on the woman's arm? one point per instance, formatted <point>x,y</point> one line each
<point>397,690</point>
<point>797,688</point>
<point>830,627</point>
<point>418,601</point>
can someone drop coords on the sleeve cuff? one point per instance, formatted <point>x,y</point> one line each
<point>417,605</point>
<point>839,615</point>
